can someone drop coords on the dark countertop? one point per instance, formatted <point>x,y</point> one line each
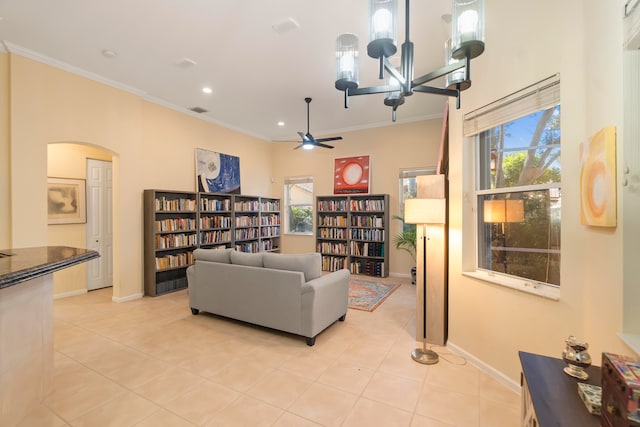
<point>28,263</point>
<point>555,394</point>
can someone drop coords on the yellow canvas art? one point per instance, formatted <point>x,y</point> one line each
<point>598,179</point>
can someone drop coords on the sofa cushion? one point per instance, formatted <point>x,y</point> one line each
<point>244,258</point>
<point>214,255</point>
<point>310,264</point>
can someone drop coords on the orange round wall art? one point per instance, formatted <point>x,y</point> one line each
<point>598,179</point>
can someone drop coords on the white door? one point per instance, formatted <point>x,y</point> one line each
<point>99,224</point>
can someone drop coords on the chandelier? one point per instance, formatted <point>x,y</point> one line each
<point>466,43</point>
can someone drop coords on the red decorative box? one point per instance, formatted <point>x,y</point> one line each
<point>620,391</point>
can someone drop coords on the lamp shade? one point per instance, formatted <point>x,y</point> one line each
<point>467,28</point>
<point>503,211</point>
<point>382,28</point>
<point>347,61</point>
<point>425,211</point>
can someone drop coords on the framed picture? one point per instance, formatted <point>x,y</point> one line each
<point>351,175</point>
<point>217,172</point>
<point>66,203</point>
<point>598,179</point>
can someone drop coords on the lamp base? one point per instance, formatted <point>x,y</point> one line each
<point>424,356</point>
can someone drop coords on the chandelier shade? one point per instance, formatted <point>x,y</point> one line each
<point>467,42</point>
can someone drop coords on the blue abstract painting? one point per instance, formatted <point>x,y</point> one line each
<point>217,172</point>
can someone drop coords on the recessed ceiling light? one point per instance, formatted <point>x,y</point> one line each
<point>186,63</point>
<point>107,53</point>
<point>207,90</point>
<point>280,123</point>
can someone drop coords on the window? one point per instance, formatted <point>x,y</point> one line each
<point>408,186</point>
<point>518,185</point>
<point>298,197</point>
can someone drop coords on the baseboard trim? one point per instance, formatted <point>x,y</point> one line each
<point>69,294</point>
<point>127,298</point>
<point>487,369</point>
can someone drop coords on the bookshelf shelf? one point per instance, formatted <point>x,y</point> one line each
<point>178,222</point>
<point>351,232</point>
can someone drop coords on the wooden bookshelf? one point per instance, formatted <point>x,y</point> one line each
<point>177,222</point>
<point>352,232</point>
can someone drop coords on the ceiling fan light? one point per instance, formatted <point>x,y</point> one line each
<point>307,146</point>
<point>347,61</point>
<point>467,28</point>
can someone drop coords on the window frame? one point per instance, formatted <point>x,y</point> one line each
<point>540,96</point>
<point>289,181</point>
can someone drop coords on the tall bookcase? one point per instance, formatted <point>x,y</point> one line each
<point>170,236</point>
<point>177,222</point>
<point>352,232</point>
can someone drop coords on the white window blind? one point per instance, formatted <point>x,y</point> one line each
<point>539,96</point>
<point>298,179</point>
<point>413,172</point>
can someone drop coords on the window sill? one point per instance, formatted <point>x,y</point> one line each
<point>632,340</point>
<point>519,285</point>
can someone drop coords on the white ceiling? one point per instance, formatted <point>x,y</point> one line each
<point>258,76</point>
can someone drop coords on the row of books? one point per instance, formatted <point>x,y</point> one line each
<point>271,219</point>
<point>218,236</point>
<point>332,221</point>
<point>367,205</point>
<point>215,205</point>
<point>270,205</point>
<point>219,221</point>
<point>174,261</point>
<point>175,241</point>
<point>247,221</point>
<point>268,245</point>
<point>246,205</point>
<point>171,285</point>
<point>175,205</point>
<point>332,233</point>
<point>367,234</point>
<point>250,247</point>
<point>366,249</point>
<point>246,233</point>
<point>332,263</point>
<point>332,248</point>
<point>175,224</point>
<point>269,231</point>
<point>368,267</point>
<point>332,205</point>
<point>367,221</point>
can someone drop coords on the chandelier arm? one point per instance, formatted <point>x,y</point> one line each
<point>372,89</point>
<point>394,72</point>
<point>436,90</point>
<point>447,69</point>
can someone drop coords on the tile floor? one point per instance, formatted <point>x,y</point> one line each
<point>150,362</point>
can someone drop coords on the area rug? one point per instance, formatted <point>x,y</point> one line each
<point>367,295</point>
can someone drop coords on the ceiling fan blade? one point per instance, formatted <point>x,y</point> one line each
<point>304,137</point>
<point>299,146</point>
<point>333,138</point>
<point>319,144</point>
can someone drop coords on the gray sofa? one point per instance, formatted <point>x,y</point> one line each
<point>287,292</point>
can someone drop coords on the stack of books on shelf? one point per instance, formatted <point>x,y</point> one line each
<point>214,205</point>
<point>366,249</point>
<point>368,267</point>
<point>332,205</point>
<point>332,233</point>
<point>247,221</point>
<point>215,222</point>
<point>333,263</point>
<point>332,221</point>
<point>270,205</point>
<point>248,247</point>
<point>175,205</point>
<point>175,224</point>
<point>370,221</point>
<point>367,205</point>
<point>367,234</point>
<point>246,206</point>
<point>171,241</point>
<point>174,261</point>
<point>332,248</point>
<point>218,236</point>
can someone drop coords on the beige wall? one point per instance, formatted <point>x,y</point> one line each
<point>391,148</point>
<point>152,147</point>
<point>5,159</point>
<point>582,41</point>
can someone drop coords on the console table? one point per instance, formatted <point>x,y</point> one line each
<point>26,324</point>
<point>550,397</point>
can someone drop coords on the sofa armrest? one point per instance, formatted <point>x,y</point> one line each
<point>324,300</point>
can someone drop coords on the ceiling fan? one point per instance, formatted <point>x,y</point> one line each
<point>308,141</point>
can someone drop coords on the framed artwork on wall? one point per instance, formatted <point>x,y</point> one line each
<point>351,175</point>
<point>217,172</point>
<point>598,179</point>
<point>66,203</point>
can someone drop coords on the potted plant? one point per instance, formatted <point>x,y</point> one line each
<point>406,240</point>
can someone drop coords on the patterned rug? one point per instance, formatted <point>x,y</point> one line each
<point>367,295</point>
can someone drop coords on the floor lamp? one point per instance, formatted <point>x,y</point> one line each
<point>424,212</point>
